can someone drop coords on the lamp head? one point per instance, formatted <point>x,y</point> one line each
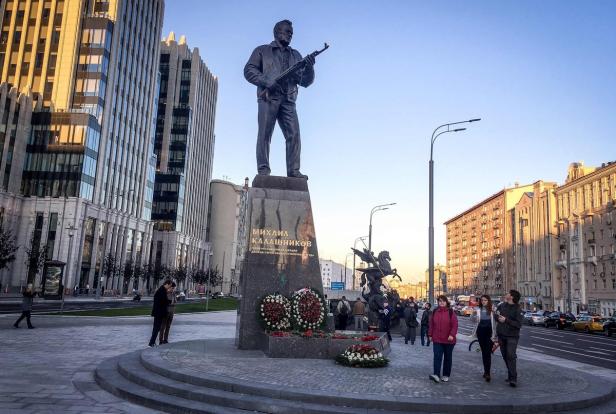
<point>459,129</point>
<point>474,120</point>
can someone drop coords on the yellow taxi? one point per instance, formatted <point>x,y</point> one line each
<point>588,324</point>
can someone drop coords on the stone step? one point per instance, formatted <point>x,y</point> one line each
<point>166,379</point>
<point>109,378</point>
<point>130,367</point>
<point>602,393</point>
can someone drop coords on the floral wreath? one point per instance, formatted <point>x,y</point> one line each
<point>275,312</point>
<point>307,309</point>
<point>362,356</point>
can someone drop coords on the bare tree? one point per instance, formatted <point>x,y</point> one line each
<point>210,277</point>
<point>8,247</point>
<point>128,273</point>
<point>161,272</point>
<point>146,276</point>
<point>138,271</point>
<point>180,275</point>
<point>110,269</point>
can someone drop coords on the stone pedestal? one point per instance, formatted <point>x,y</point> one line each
<point>282,253</point>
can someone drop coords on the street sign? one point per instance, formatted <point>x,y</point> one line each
<point>337,285</point>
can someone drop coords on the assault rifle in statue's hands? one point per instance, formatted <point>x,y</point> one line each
<point>293,69</point>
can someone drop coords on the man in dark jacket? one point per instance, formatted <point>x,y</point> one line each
<point>277,100</point>
<point>159,309</point>
<point>26,307</point>
<point>410,317</point>
<point>425,323</point>
<point>509,317</point>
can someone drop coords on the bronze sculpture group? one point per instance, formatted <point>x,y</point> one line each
<point>374,291</point>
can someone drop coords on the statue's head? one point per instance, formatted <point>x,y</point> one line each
<point>283,32</point>
<point>384,255</point>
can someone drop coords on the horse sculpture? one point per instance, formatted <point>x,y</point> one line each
<point>376,293</point>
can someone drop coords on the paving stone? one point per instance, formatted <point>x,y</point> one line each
<point>39,367</point>
<point>57,361</point>
<point>103,396</point>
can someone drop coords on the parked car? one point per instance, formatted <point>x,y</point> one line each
<point>468,311</point>
<point>537,318</point>
<point>527,315</point>
<point>609,326</point>
<point>559,320</point>
<point>588,324</point>
<point>218,295</point>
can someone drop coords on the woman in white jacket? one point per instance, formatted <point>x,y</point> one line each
<point>485,332</point>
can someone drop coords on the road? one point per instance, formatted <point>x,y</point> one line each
<point>593,349</point>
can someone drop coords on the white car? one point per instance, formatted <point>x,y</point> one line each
<point>537,318</point>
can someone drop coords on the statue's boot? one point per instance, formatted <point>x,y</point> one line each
<point>297,174</point>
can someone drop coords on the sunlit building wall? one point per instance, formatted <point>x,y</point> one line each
<point>586,228</point>
<point>184,148</point>
<point>479,243</point>
<point>536,246</point>
<point>226,232</point>
<point>84,191</point>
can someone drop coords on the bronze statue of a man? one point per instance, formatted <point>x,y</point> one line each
<point>276,99</point>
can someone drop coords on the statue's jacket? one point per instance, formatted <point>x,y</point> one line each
<point>264,63</point>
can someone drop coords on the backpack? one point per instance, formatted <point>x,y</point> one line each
<point>344,310</point>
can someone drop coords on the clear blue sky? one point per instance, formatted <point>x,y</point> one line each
<point>542,75</point>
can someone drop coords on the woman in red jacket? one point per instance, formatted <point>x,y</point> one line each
<point>443,330</point>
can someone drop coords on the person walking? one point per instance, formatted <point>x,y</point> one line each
<point>359,309</point>
<point>414,304</point>
<point>343,309</point>
<point>509,317</point>
<point>163,336</point>
<point>26,307</point>
<point>425,322</point>
<point>484,331</point>
<point>442,329</point>
<point>410,317</point>
<point>385,319</point>
<point>159,309</point>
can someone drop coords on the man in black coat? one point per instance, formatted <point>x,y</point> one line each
<point>410,317</point>
<point>509,317</point>
<point>159,309</point>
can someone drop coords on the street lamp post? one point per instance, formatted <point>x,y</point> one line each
<point>374,210</point>
<point>437,132</point>
<point>355,247</point>
<point>207,288</point>
<point>71,229</point>
<point>345,269</point>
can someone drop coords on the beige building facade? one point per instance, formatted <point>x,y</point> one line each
<point>226,232</point>
<point>536,246</point>
<point>479,243</point>
<point>587,239</point>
